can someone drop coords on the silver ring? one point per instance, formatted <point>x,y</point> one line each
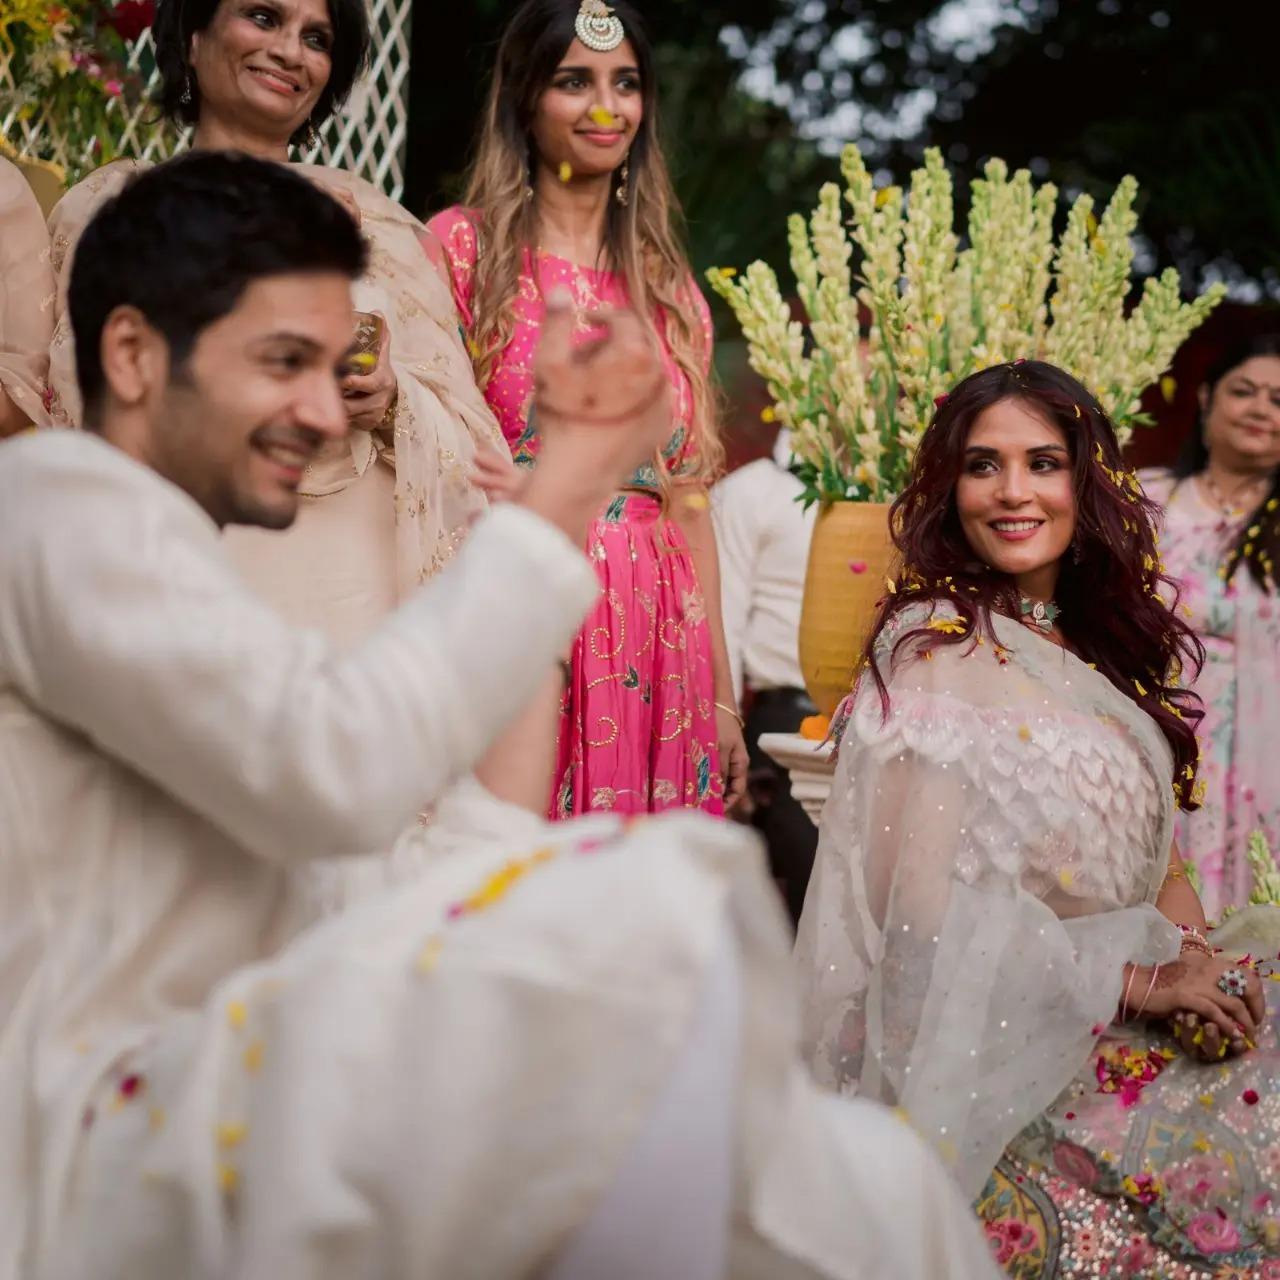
<point>1233,982</point>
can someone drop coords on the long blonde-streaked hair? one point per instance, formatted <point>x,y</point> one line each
<point>641,241</point>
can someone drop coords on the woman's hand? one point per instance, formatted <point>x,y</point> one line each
<point>1208,1023</point>
<point>496,476</point>
<point>369,396</point>
<point>733,756</point>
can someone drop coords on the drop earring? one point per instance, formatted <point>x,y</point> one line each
<point>185,97</point>
<point>621,194</point>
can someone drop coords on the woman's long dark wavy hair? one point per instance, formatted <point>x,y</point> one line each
<point>1113,592</point>
<point>176,21</point>
<point>1258,546</point>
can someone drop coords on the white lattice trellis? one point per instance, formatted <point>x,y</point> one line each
<point>367,136</point>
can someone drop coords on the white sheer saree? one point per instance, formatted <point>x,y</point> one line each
<point>987,862</point>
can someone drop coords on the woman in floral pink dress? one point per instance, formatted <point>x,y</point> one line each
<point>1221,540</point>
<point>569,193</point>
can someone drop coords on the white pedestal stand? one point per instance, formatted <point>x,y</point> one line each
<point>810,765</point>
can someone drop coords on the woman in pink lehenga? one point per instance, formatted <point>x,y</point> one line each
<point>569,192</point>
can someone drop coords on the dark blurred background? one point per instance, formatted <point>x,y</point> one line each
<point>758,97</point>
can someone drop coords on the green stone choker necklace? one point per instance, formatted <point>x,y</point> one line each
<point>1041,613</point>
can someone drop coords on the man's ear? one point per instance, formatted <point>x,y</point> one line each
<point>135,358</point>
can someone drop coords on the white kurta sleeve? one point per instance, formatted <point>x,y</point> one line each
<point>121,619</point>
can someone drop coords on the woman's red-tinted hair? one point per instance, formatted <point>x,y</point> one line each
<point>1111,589</point>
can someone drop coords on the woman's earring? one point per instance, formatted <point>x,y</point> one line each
<point>622,195</point>
<point>186,95</point>
<point>312,136</point>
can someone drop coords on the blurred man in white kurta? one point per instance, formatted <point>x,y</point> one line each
<point>563,1053</point>
<point>763,534</point>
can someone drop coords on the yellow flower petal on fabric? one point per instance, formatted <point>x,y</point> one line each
<point>228,1178</point>
<point>1024,733</point>
<point>237,1012</point>
<point>601,116</point>
<point>948,626</point>
<point>156,1117</point>
<point>566,171</point>
<point>1201,1144</point>
<point>1206,1099</point>
<point>231,1135</point>
<point>1065,878</point>
<point>252,1057</point>
<point>429,956</point>
<point>1168,387</point>
<point>903,1114</point>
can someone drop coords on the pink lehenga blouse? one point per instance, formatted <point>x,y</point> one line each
<point>637,725</point>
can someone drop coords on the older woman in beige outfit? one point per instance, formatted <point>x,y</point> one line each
<point>385,509</point>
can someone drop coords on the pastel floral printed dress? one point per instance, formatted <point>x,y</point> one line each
<point>637,725</point>
<point>1239,624</point>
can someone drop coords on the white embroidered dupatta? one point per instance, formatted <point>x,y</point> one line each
<point>988,860</point>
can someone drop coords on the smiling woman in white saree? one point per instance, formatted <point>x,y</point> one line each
<point>996,880</point>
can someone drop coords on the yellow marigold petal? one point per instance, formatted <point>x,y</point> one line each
<point>237,1013</point>
<point>601,116</point>
<point>892,586</point>
<point>697,502</point>
<point>231,1135</point>
<point>814,728</point>
<point>1137,684</point>
<point>252,1058</point>
<point>156,1117</point>
<point>768,414</point>
<point>228,1178</point>
<point>566,171</point>
<point>429,956</point>
<point>1168,388</point>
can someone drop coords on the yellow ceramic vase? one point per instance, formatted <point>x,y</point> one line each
<point>849,558</point>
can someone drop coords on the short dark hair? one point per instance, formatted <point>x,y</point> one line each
<point>183,241</point>
<point>176,21</point>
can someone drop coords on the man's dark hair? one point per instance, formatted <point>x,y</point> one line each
<point>178,97</point>
<point>185,240</point>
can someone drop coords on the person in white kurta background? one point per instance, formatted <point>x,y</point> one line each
<point>564,1052</point>
<point>763,534</point>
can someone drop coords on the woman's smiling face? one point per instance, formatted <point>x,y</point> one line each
<point>263,64</point>
<point>1015,495</point>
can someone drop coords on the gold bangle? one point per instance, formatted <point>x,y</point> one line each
<point>729,711</point>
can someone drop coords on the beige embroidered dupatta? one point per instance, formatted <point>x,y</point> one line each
<point>988,860</point>
<point>440,414</point>
<point>26,295</point>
